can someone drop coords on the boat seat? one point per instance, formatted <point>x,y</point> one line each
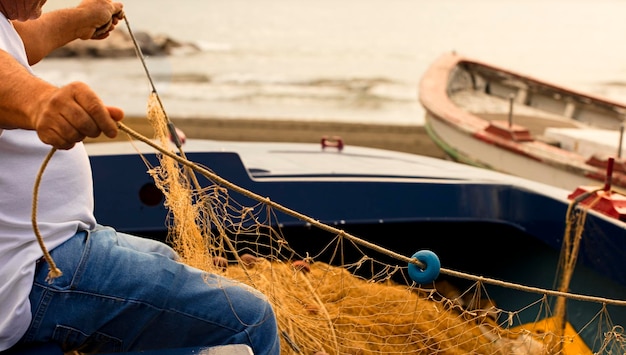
<point>54,349</point>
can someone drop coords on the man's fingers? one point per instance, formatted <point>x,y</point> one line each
<point>119,15</point>
<point>61,136</point>
<point>74,112</point>
<point>82,124</point>
<point>117,114</point>
<point>96,112</point>
<point>104,30</point>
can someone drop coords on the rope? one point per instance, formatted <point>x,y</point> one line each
<point>266,200</point>
<point>569,255</point>
<point>54,272</point>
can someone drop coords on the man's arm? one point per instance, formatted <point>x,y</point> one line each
<point>18,100</point>
<point>91,19</point>
<point>61,116</point>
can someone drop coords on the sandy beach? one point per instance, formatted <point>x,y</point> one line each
<point>409,139</point>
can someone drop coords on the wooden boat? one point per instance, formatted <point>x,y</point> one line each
<point>476,220</point>
<point>492,117</point>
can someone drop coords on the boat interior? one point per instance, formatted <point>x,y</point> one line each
<point>492,230</point>
<point>545,100</point>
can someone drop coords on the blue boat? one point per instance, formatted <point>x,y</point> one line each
<point>475,220</point>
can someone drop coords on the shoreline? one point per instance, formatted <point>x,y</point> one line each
<point>403,138</point>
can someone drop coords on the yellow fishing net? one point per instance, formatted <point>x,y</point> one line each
<point>333,307</point>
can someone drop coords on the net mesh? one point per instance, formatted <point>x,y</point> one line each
<point>333,306</point>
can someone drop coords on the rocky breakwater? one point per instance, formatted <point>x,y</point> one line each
<point>119,44</point>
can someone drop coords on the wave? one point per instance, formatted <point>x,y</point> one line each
<point>246,87</point>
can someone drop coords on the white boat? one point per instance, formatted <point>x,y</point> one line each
<point>496,118</point>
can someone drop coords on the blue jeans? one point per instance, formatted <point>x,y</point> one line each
<point>123,293</point>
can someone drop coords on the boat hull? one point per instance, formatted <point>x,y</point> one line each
<point>468,149</point>
<point>495,118</point>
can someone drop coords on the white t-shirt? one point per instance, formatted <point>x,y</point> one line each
<point>65,205</point>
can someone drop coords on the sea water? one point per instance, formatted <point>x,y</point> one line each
<point>346,60</point>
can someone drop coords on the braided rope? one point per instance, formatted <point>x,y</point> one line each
<point>54,272</point>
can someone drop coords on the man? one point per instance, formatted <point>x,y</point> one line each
<point>117,292</point>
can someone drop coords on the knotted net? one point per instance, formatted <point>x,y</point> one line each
<point>336,307</point>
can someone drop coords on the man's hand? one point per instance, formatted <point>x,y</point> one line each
<point>102,17</point>
<point>103,32</point>
<point>68,114</point>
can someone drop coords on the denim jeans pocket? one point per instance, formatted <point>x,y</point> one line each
<point>72,338</point>
<point>70,258</point>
